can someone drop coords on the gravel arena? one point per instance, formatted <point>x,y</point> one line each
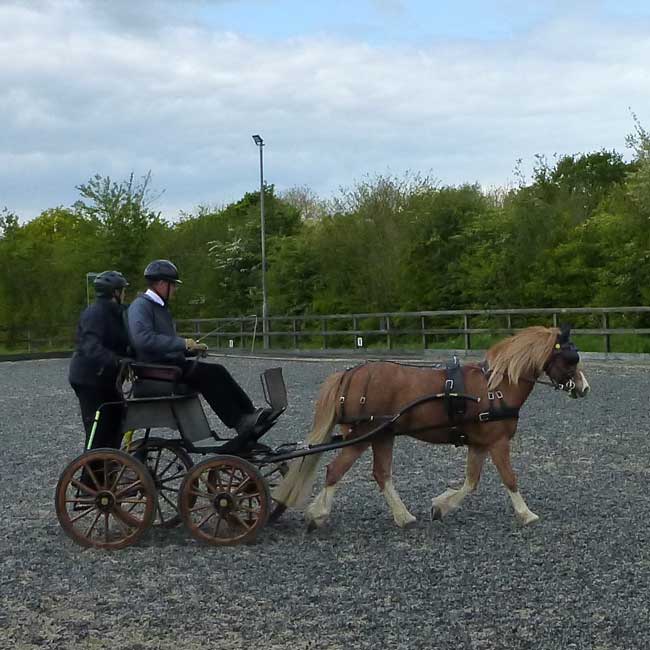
<point>578,578</point>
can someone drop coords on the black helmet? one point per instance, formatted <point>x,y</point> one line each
<point>108,281</point>
<point>162,270</point>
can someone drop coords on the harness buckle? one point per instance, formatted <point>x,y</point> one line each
<point>484,417</point>
<point>342,399</point>
<point>490,395</point>
<point>362,400</point>
<point>449,384</point>
<point>499,395</point>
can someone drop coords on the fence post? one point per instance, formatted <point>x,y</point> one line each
<point>389,342</point>
<point>29,340</point>
<point>554,319</point>
<point>424,336</point>
<point>295,338</point>
<point>608,343</point>
<point>324,332</point>
<point>354,332</point>
<point>241,333</point>
<point>197,329</point>
<point>468,340</point>
<point>509,322</point>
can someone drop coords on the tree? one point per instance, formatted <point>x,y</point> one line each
<point>124,213</point>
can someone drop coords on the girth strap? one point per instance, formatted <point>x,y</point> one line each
<point>454,385</point>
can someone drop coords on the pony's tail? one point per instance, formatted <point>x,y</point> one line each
<point>296,486</point>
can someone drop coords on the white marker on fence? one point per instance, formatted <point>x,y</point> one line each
<point>359,341</point>
<point>231,343</point>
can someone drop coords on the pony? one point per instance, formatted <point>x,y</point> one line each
<point>420,402</point>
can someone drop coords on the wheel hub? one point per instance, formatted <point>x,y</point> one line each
<point>223,502</point>
<point>104,500</point>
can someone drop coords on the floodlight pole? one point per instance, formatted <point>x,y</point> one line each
<point>265,308</point>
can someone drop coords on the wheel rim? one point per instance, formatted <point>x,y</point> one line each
<point>224,501</point>
<point>167,464</point>
<point>105,499</point>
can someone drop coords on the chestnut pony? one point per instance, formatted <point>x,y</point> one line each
<point>372,391</point>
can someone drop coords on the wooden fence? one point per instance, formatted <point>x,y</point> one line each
<point>603,329</point>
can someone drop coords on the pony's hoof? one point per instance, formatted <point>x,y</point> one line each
<point>406,522</point>
<point>436,513</point>
<point>527,518</point>
<point>312,526</point>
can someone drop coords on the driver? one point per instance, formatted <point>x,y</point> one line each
<point>153,336</point>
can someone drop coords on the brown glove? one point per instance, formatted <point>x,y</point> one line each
<point>192,346</point>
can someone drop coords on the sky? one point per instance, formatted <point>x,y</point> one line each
<point>339,90</point>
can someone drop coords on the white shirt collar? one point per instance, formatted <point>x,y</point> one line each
<point>150,293</point>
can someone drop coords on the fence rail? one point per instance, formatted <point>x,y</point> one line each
<point>464,329</point>
<point>606,329</point>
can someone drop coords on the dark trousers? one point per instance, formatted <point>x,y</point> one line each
<point>109,428</point>
<point>224,395</point>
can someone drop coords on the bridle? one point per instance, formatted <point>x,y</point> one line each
<point>563,349</point>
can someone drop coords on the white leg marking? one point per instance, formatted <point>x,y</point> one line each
<point>320,508</point>
<point>451,499</point>
<point>523,514</point>
<point>585,384</point>
<point>403,518</point>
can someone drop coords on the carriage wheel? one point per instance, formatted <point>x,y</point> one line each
<point>224,500</point>
<point>273,474</point>
<point>167,463</point>
<point>106,499</point>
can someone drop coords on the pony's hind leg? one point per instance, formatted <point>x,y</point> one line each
<point>451,499</point>
<point>382,470</point>
<point>319,510</point>
<point>500,453</point>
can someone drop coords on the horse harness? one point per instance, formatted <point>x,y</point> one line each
<point>454,399</point>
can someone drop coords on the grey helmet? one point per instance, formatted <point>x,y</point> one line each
<point>107,282</point>
<point>162,270</point>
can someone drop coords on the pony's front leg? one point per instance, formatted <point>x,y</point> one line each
<point>319,510</point>
<point>382,470</point>
<point>500,453</point>
<point>451,499</point>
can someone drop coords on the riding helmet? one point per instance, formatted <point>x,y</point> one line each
<point>162,270</point>
<point>108,281</point>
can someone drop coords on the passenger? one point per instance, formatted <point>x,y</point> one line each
<point>154,340</point>
<point>101,341</point>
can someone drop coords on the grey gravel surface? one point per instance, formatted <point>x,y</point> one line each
<point>576,579</point>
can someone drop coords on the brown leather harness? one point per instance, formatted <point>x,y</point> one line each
<point>454,398</point>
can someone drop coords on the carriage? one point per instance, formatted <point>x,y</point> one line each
<point>108,498</point>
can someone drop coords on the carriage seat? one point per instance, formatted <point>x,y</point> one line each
<point>158,380</point>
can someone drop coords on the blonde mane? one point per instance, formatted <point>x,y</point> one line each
<point>525,352</point>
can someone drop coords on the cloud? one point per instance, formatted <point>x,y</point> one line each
<point>88,90</point>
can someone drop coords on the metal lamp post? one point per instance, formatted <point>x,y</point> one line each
<point>257,139</point>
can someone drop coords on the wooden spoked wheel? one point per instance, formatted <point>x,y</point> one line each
<point>167,463</point>
<point>224,500</point>
<point>105,499</point>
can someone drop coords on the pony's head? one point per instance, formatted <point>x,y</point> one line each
<point>537,350</point>
<point>562,365</point>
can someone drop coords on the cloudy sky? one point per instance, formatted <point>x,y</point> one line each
<point>337,88</point>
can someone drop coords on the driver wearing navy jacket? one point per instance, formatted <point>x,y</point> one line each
<point>153,336</point>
